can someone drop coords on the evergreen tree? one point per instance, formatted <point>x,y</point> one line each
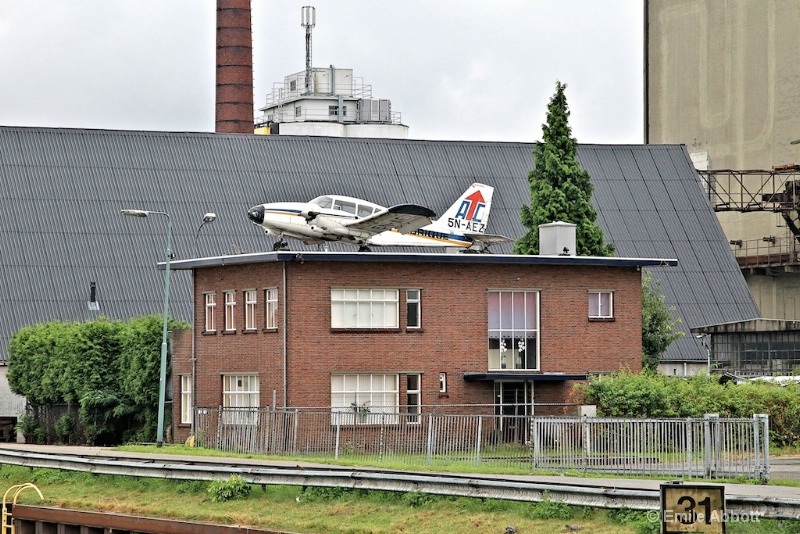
<point>560,189</point>
<point>659,329</point>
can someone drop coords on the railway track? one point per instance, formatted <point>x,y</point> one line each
<point>778,502</point>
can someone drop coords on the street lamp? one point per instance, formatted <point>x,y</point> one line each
<point>207,218</point>
<point>704,341</point>
<point>163,371</point>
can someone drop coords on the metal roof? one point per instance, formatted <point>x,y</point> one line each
<point>63,189</point>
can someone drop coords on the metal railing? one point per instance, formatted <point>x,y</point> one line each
<point>706,447</point>
<point>770,251</point>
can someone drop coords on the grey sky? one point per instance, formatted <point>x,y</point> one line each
<point>454,69</point>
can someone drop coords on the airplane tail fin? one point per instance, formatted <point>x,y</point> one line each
<point>469,214</point>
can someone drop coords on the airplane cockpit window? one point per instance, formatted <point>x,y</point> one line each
<point>348,207</point>
<point>323,202</point>
<point>364,211</point>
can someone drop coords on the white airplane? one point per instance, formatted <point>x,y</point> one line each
<point>358,222</point>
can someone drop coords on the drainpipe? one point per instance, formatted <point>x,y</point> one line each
<point>285,337</point>
<point>194,354</point>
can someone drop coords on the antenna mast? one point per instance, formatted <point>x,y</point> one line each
<point>308,18</point>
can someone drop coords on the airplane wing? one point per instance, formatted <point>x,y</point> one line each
<point>404,218</point>
<point>486,240</point>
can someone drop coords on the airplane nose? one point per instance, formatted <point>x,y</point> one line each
<point>256,214</point>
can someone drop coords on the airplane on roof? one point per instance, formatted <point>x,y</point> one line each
<point>365,224</point>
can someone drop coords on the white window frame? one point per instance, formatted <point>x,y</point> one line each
<point>230,311</point>
<point>365,308</point>
<point>442,382</point>
<point>413,398</point>
<point>210,307</point>
<point>186,400</point>
<point>241,399</point>
<point>596,305</point>
<point>363,398</point>
<point>250,301</point>
<point>514,323</point>
<point>414,300</point>
<point>271,308</point>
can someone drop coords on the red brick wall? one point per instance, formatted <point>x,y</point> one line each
<point>181,365</point>
<point>453,338</point>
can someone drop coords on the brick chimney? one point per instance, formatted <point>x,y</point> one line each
<point>234,109</point>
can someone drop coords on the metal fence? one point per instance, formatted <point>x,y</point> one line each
<point>707,447</point>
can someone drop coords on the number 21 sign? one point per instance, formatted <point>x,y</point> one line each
<point>692,508</point>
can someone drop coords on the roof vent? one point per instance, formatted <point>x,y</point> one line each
<point>557,239</point>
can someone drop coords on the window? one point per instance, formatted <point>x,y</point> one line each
<point>442,382</point>
<point>364,399</point>
<point>230,308</point>
<point>298,111</point>
<point>513,330</point>
<point>364,308</point>
<point>211,306</point>
<point>412,398</point>
<point>601,305</point>
<point>250,309</point>
<point>271,298</point>
<point>413,318</point>
<point>345,206</point>
<point>240,398</point>
<point>334,111</point>
<point>293,85</point>
<point>186,399</point>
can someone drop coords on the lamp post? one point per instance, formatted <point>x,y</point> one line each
<point>207,218</point>
<point>162,383</point>
<point>704,340</point>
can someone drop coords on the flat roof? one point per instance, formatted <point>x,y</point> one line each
<point>417,257</point>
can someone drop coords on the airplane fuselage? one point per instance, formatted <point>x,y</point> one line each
<point>359,222</point>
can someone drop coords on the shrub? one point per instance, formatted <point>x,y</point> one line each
<point>31,429</point>
<point>226,490</point>
<point>64,428</point>
<point>547,509</point>
<point>628,394</point>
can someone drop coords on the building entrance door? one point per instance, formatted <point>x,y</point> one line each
<point>513,405</point>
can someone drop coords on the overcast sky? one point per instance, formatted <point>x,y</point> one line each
<point>454,69</point>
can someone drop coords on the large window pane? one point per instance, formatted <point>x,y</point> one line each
<point>364,399</point>
<point>513,330</point>
<point>494,310</point>
<point>365,308</point>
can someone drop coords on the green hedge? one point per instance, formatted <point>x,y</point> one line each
<point>628,394</point>
<point>108,369</point>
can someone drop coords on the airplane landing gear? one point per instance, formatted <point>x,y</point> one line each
<point>280,245</point>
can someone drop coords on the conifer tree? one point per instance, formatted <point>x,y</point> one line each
<point>560,189</point>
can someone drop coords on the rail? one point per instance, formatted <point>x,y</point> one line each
<point>769,251</point>
<point>624,493</point>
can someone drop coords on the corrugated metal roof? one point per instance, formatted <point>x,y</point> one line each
<point>62,190</point>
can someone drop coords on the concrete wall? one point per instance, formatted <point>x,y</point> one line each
<point>723,78</point>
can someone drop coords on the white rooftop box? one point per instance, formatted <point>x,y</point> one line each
<point>557,239</point>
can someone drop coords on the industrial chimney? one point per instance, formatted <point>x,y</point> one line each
<point>234,109</point>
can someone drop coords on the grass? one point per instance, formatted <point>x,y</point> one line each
<point>332,510</point>
<point>327,510</point>
<point>316,510</point>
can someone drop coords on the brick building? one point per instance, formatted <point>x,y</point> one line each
<point>377,332</point>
